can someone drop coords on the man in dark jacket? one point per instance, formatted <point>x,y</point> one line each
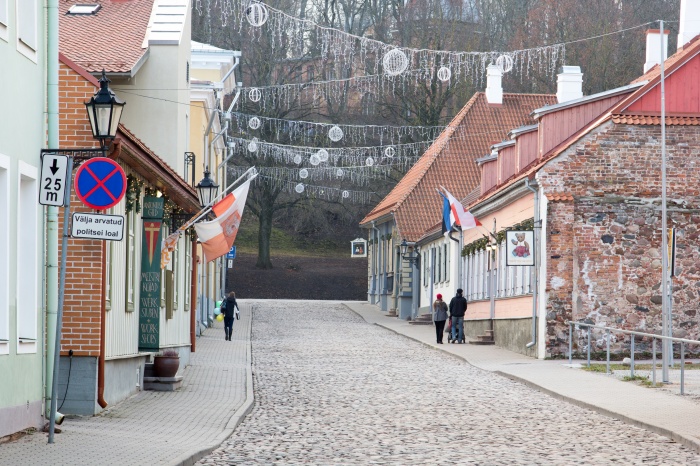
<point>458,306</point>
<point>228,311</point>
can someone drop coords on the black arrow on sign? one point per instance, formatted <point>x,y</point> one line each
<point>54,168</point>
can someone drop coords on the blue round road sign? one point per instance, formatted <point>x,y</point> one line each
<point>100,183</point>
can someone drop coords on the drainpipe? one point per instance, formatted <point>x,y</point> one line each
<point>51,211</point>
<point>103,324</point>
<point>536,193</point>
<point>375,259</point>
<point>193,297</point>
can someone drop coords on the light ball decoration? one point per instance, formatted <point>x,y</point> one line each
<point>314,159</point>
<point>346,194</point>
<point>254,123</point>
<point>297,159</point>
<point>256,14</point>
<point>303,173</point>
<point>339,172</point>
<point>254,95</point>
<point>390,151</point>
<point>505,63</point>
<point>395,62</point>
<point>253,146</point>
<point>444,74</point>
<point>322,155</point>
<point>335,134</point>
<point>299,188</point>
<point>369,161</point>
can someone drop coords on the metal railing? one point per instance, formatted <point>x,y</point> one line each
<point>632,334</point>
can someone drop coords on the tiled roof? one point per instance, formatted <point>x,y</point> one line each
<point>111,39</point>
<point>450,160</point>
<point>655,120</point>
<point>655,71</point>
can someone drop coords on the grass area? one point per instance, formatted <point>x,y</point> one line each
<point>637,367</point>
<point>282,243</point>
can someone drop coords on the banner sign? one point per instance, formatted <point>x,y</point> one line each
<point>149,301</point>
<point>358,247</point>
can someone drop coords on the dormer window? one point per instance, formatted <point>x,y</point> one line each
<point>84,9</point>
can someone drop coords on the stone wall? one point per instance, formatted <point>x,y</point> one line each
<point>604,243</point>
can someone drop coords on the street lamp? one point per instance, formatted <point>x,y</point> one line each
<point>411,257</point>
<point>207,189</point>
<point>104,111</point>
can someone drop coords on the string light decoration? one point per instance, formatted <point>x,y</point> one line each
<point>297,159</point>
<point>369,161</point>
<point>253,146</point>
<point>254,123</point>
<point>335,134</point>
<point>299,188</point>
<point>395,62</point>
<point>303,173</point>
<point>314,159</point>
<point>254,94</point>
<point>444,74</point>
<point>390,151</point>
<point>322,155</point>
<point>307,132</point>
<point>256,13</point>
<point>505,63</point>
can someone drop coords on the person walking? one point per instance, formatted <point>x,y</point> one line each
<point>439,317</point>
<point>228,308</point>
<point>458,307</point>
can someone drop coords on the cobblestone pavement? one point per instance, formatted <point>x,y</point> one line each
<point>332,389</point>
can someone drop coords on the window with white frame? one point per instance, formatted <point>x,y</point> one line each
<point>426,267</point>
<point>27,21</point>
<point>188,271</point>
<point>3,19</point>
<point>131,266</point>
<point>27,267</point>
<point>446,260</point>
<point>4,253</point>
<point>439,265</point>
<point>176,272</point>
<point>511,281</point>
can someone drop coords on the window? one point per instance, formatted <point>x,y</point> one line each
<point>510,280</point>
<point>27,268</point>
<point>439,265</point>
<point>425,268</point>
<point>84,9</point>
<point>3,19</point>
<point>446,261</point>
<point>131,266</point>
<point>27,23</point>
<point>4,253</point>
<point>188,271</point>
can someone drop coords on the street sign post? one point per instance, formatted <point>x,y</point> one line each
<point>230,263</point>
<point>231,254</point>
<point>98,226</point>
<point>53,179</point>
<point>100,183</point>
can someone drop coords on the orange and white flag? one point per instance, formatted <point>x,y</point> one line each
<point>218,235</point>
<point>169,245</point>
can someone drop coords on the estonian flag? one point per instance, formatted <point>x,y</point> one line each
<point>454,213</point>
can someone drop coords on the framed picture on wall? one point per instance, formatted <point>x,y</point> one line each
<point>520,247</point>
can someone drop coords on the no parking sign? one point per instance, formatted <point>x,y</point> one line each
<point>100,183</point>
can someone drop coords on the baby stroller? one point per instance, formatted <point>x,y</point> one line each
<point>448,330</point>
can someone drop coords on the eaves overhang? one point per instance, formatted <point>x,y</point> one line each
<point>540,112</point>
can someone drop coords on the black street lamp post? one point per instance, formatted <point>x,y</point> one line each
<point>104,111</point>
<point>207,189</point>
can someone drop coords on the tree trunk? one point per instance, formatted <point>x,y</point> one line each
<point>264,233</point>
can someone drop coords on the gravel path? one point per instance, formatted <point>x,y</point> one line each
<point>331,389</point>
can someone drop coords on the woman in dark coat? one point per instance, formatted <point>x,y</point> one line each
<point>439,316</point>
<point>229,314</point>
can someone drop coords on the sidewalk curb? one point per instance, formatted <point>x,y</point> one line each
<point>238,416</point>
<point>684,440</point>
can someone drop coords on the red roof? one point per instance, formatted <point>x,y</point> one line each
<point>451,160</point>
<point>111,39</point>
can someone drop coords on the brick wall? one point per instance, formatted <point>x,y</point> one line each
<point>83,292</point>
<point>604,247</point>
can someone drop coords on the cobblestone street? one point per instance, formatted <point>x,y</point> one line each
<point>333,389</point>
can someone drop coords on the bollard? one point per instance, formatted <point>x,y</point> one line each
<point>682,368</point>
<point>588,350</point>
<point>653,363</point>
<point>571,331</point>
<point>632,357</point>
<point>607,363</point>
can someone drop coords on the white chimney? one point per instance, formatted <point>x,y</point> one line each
<point>690,21</point>
<point>569,83</point>
<point>494,88</point>
<point>654,48</point>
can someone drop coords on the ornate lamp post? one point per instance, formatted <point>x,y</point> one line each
<point>207,189</point>
<point>104,111</point>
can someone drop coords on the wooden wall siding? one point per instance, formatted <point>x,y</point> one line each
<point>682,93</point>
<point>557,127</point>
<point>489,176</point>
<point>506,163</point>
<point>526,148</point>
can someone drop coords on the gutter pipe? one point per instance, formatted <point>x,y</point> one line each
<point>375,259</point>
<point>51,211</point>
<point>536,193</point>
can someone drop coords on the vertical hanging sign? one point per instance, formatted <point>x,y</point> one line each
<point>149,300</point>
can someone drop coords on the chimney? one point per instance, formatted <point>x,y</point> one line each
<point>494,89</point>
<point>690,21</point>
<point>569,83</point>
<point>654,48</point>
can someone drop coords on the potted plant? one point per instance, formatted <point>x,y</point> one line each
<point>166,364</point>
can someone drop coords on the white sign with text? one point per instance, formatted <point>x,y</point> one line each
<point>98,226</point>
